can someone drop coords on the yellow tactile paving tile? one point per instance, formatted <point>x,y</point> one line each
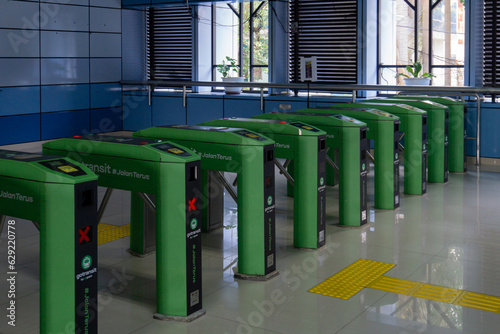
<point>349,281</point>
<point>107,233</point>
<point>479,301</point>
<point>368,274</point>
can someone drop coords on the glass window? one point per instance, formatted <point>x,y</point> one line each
<point>241,31</point>
<point>429,31</point>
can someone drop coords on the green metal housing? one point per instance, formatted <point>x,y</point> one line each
<point>344,137</point>
<point>61,196</point>
<point>251,156</point>
<point>414,126</point>
<point>437,136</point>
<point>383,128</point>
<point>457,131</point>
<point>306,146</point>
<point>170,173</point>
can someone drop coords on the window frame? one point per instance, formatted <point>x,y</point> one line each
<point>250,22</point>
<point>430,57</point>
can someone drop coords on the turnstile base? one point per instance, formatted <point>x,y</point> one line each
<point>188,318</point>
<point>257,277</point>
<point>310,249</point>
<point>141,255</point>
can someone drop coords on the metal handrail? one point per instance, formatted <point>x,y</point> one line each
<point>475,92</point>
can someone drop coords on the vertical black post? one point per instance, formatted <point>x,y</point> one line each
<point>151,32</point>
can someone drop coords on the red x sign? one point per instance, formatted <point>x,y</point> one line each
<point>84,238</point>
<point>192,205</point>
<point>268,182</point>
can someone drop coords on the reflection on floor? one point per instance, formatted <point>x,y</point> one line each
<point>448,237</point>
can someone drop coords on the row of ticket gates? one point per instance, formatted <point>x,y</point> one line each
<point>175,174</point>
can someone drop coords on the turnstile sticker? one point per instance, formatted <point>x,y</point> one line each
<point>63,166</point>
<point>465,141</point>
<point>425,153</point>
<point>364,146</point>
<point>304,126</point>
<point>446,146</point>
<point>321,190</point>
<point>169,148</point>
<point>269,210</point>
<point>193,238</point>
<point>249,134</point>
<point>396,164</point>
<point>85,258</point>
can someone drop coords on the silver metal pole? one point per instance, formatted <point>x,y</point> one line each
<point>104,204</point>
<point>261,98</point>
<point>150,95</point>
<point>478,131</point>
<point>283,171</point>
<point>370,156</point>
<point>331,163</point>
<point>184,96</point>
<point>148,201</point>
<point>228,187</point>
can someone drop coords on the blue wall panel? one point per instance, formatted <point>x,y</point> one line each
<point>136,112</point>
<point>19,100</point>
<point>204,109</point>
<point>168,110</point>
<point>105,19</point>
<point>19,43</point>
<point>65,17</point>
<point>105,45</point>
<point>65,124</point>
<point>19,72</point>
<point>275,106</point>
<point>11,13</point>
<point>65,71</point>
<point>490,136</point>
<point>106,120</point>
<point>65,97</point>
<point>105,69</point>
<point>105,95</point>
<point>65,44</point>
<point>239,107</point>
<point>470,125</point>
<point>10,125</point>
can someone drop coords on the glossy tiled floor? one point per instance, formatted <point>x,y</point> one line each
<point>448,237</point>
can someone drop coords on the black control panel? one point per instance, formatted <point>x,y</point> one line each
<point>172,149</point>
<point>63,166</point>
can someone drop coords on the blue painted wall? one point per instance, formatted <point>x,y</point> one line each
<point>60,65</point>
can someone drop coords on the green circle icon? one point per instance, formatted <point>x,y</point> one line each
<point>86,262</point>
<point>322,181</point>
<point>363,166</point>
<point>270,200</point>
<point>194,223</point>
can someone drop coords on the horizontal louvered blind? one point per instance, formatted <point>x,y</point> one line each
<point>171,43</point>
<point>491,71</point>
<point>327,30</point>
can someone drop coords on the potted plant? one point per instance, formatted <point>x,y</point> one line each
<point>417,79</point>
<point>228,66</point>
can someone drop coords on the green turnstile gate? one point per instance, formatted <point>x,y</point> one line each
<point>170,173</point>
<point>383,128</point>
<point>347,144</point>
<point>60,196</point>
<point>457,152</point>
<point>437,136</point>
<point>251,156</point>
<point>414,127</point>
<point>306,147</point>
